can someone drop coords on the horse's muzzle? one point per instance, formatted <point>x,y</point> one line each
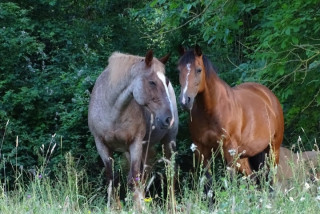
<point>165,122</point>
<point>186,102</point>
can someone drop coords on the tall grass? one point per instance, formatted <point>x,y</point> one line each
<point>70,191</point>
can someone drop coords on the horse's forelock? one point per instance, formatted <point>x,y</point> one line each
<point>189,58</point>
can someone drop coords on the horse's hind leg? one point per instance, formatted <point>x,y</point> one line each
<point>106,157</point>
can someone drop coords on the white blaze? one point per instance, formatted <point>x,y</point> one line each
<point>186,85</point>
<point>163,80</point>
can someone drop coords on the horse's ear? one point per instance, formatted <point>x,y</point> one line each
<point>181,50</point>
<point>165,58</point>
<point>149,57</point>
<point>197,50</point>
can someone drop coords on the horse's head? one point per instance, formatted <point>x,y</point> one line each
<point>191,77</point>
<point>151,90</point>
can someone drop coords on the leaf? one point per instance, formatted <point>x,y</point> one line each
<point>281,71</point>
<point>314,64</point>
<point>283,44</point>
<point>153,3</point>
<point>318,100</point>
<point>295,40</point>
<point>287,31</point>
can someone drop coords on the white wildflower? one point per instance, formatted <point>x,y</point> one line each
<point>268,206</point>
<point>210,194</point>
<point>193,147</point>
<point>238,165</point>
<point>42,148</point>
<point>291,199</point>
<point>232,152</point>
<point>302,198</point>
<point>307,186</point>
<point>299,139</point>
<point>318,198</point>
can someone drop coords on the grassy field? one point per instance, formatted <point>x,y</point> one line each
<point>70,191</point>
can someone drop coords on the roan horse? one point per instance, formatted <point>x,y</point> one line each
<point>297,167</point>
<point>245,120</point>
<point>132,107</point>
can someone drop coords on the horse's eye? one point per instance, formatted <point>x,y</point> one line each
<point>198,70</point>
<point>152,83</point>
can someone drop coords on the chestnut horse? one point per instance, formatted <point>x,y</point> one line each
<point>245,120</point>
<point>132,107</point>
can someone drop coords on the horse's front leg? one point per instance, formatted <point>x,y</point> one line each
<point>205,158</point>
<point>234,161</point>
<point>135,177</point>
<point>169,148</point>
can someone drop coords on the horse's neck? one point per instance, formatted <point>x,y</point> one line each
<point>121,96</point>
<point>216,91</point>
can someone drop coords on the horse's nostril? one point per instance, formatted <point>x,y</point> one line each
<point>189,99</point>
<point>168,120</point>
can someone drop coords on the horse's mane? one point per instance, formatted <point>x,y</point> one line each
<point>119,66</point>
<point>189,57</point>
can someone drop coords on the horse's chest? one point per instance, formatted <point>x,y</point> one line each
<point>119,134</point>
<point>205,131</point>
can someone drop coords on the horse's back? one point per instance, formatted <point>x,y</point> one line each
<point>258,91</point>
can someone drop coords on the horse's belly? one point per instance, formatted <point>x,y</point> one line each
<point>254,138</point>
